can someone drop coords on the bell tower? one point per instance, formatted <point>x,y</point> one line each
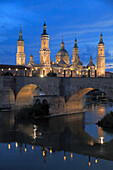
<point>45,52</point>
<point>101,58</point>
<point>75,52</point>
<point>20,55</point>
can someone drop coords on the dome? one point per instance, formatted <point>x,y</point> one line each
<point>91,64</point>
<point>62,63</point>
<point>79,63</point>
<point>62,53</point>
<point>31,62</point>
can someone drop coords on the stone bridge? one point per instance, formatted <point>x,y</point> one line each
<point>70,92</point>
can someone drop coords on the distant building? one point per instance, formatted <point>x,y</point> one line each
<point>108,74</point>
<point>14,70</point>
<point>61,67</point>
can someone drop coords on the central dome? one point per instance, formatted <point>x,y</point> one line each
<point>62,54</point>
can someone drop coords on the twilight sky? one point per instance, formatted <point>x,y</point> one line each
<point>67,18</point>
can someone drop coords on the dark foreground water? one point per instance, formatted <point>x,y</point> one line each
<point>66,142</point>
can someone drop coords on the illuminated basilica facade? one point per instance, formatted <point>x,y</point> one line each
<point>62,67</point>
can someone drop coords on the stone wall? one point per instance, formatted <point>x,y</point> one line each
<point>63,87</point>
<point>56,103</point>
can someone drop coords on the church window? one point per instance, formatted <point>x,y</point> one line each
<point>44,43</point>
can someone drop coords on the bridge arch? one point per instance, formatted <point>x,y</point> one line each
<point>76,101</point>
<point>25,95</point>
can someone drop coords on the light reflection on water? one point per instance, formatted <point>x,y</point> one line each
<point>92,116</point>
<point>58,143</point>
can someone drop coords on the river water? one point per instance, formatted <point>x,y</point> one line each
<point>65,142</point>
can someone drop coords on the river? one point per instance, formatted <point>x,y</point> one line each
<point>66,142</point>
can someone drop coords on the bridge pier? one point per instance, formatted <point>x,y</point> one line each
<point>7,98</point>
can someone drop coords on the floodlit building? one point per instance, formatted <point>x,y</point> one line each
<point>62,67</point>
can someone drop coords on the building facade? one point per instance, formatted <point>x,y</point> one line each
<point>62,67</point>
<point>14,70</point>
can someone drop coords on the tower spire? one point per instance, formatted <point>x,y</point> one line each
<point>75,45</point>
<point>91,58</point>
<point>62,39</point>
<point>62,44</point>
<point>44,27</point>
<point>44,19</point>
<point>31,57</point>
<point>101,37</point>
<point>20,35</point>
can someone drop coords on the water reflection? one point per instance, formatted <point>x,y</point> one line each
<point>66,134</point>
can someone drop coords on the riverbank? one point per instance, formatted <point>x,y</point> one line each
<point>107,121</point>
<point>32,112</point>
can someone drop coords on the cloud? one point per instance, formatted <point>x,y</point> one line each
<point>109,66</point>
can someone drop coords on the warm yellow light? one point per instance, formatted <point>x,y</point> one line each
<point>77,72</point>
<point>64,158</point>
<point>88,68</point>
<point>16,144</point>
<point>16,69</point>
<point>50,150</point>
<point>9,146</point>
<point>9,69</point>
<point>71,155</point>
<point>32,69</point>
<point>42,76</point>
<point>44,153</point>
<point>89,163</point>
<point>96,160</point>
<point>25,149</point>
<point>101,140</point>
<point>25,68</point>
<point>32,147</point>
<point>2,69</point>
<point>95,68</point>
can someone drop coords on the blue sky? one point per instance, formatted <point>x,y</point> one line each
<point>84,18</point>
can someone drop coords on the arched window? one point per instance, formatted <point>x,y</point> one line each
<point>44,101</point>
<point>37,101</point>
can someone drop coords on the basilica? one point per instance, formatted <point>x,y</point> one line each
<point>61,67</point>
